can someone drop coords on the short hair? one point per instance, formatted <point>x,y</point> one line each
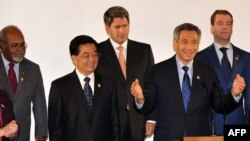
<point>216,12</point>
<point>115,12</point>
<point>5,30</point>
<point>80,40</point>
<point>186,26</point>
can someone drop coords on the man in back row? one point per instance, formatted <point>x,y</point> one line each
<point>124,59</point>
<point>235,61</point>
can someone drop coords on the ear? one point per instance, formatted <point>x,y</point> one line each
<point>212,29</point>
<point>74,59</point>
<point>175,44</point>
<point>107,27</point>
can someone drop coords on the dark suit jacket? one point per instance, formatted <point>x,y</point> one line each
<point>7,110</point>
<point>139,60</point>
<point>69,116</point>
<point>241,65</point>
<point>162,89</point>
<point>30,91</point>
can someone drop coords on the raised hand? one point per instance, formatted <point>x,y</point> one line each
<point>238,85</point>
<point>136,91</point>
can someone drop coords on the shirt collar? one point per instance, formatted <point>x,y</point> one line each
<point>115,45</point>
<point>81,76</point>
<point>218,46</point>
<point>6,62</point>
<point>180,65</point>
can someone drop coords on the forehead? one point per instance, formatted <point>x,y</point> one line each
<point>225,17</point>
<point>119,20</point>
<point>189,34</point>
<point>14,36</point>
<point>87,48</point>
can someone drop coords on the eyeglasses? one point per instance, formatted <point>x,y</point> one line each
<point>88,55</point>
<point>22,45</point>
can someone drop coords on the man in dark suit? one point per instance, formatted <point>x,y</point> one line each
<point>25,86</point>
<point>77,113</point>
<point>137,59</point>
<point>8,125</point>
<point>221,28</point>
<point>183,90</point>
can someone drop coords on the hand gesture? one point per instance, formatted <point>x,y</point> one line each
<point>136,91</point>
<point>10,129</point>
<point>238,85</point>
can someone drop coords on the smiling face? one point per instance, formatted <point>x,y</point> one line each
<point>222,28</point>
<point>186,46</point>
<point>87,59</point>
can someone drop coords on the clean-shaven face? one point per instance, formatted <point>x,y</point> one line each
<point>118,30</point>
<point>187,46</point>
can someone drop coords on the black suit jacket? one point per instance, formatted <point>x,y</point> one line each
<point>139,61</point>
<point>7,110</point>
<point>69,116</point>
<point>162,89</point>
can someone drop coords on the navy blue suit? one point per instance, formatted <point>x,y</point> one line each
<point>240,66</point>
<point>162,90</point>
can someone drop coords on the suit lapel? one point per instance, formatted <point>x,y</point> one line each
<point>112,60</point>
<point>97,92</point>
<point>131,55</point>
<point>196,85</point>
<point>22,76</point>
<point>211,54</point>
<point>77,90</point>
<point>174,78</point>
<point>4,78</point>
<point>216,63</point>
<point>236,68</point>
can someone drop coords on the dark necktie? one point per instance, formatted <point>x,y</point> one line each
<point>225,64</point>
<point>12,77</point>
<point>185,87</point>
<point>88,92</point>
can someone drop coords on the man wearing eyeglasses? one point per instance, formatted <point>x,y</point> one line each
<point>83,103</point>
<point>22,79</point>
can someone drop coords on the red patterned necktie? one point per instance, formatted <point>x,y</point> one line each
<point>12,77</point>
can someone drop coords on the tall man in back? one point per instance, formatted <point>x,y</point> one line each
<point>22,79</point>
<point>124,59</point>
<point>238,62</point>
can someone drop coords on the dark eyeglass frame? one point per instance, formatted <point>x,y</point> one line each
<point>22,45</point>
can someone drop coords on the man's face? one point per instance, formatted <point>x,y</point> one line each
<point>14,47</point>
<point>187,46</point>
<point>222,28</point>
<point>118,30</point>
<point>87,59</point>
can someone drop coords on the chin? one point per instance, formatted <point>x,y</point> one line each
<point>17,59</point>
